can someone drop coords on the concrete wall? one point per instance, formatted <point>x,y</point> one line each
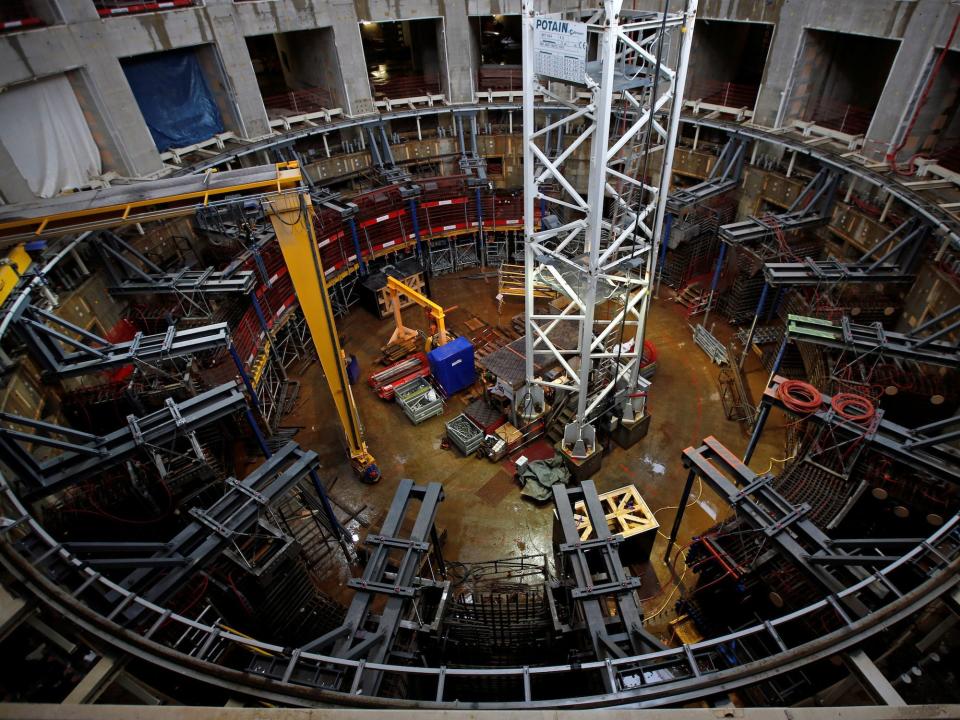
<point>91,47</point>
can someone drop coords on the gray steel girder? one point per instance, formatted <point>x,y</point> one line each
<point>367,636</point>
<point>92,353</point>
<point>84,455</point>
<point>871,339</point>
<point>931,453</point>
<point>591,596</point>
<point>215,527</point>
<point>810,209</point>
<point>724,176</point>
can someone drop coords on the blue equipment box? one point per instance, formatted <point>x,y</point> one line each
<point>452,365</point>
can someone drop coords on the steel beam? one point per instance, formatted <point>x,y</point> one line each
<point>763,507</point>
<point>138,274</point>
<point>810,209</point>
<point>216,527</point>
<point>584,559</point>
<point>724,176</point>
<point>932,453</point>
<point>873,681</point>
<point>873,339</point>
<point>819,272</point>
<point>399,584</point>
<point>88,456</point>
<point>50,338</point>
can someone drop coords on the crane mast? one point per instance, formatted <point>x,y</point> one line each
<point>607,88</point>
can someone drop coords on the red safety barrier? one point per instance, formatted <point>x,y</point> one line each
<point>842,117</point>
<point>298,102</point>
<point>18,15</point>
<point>724,93</point>
<point>111,8</point>
<point>406,86</point>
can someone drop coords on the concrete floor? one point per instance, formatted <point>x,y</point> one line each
<point>484,515</point>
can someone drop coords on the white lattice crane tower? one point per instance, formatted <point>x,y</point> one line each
<point>611,82</point>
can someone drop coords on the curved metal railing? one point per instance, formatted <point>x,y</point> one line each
<point>692,670</point>
<point>688,677</point>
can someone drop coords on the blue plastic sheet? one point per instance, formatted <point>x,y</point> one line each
<point>174,98</point>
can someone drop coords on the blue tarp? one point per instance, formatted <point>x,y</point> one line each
<point>174,98</point>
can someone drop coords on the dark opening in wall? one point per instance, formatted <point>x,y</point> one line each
<point>727,62</point>
<point>936,131</point>
<point>268,65</point>
<point>838,79</point>
<point>298,72</point>
<point>404,58</point>
<point>182,95</point>
<point>498,44</point>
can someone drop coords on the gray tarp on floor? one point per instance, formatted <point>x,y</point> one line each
<point>538,476</point>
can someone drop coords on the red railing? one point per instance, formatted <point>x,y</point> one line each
<point>299,102</point>
<point>110,8</point>
<point>842,117</point>
<point>406,86</point>
<point>723,93</point>
<point>500,77</point>
<point>17,15</point>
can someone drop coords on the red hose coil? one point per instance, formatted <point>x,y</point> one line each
<point>799,396</point>
<point>855,408</point>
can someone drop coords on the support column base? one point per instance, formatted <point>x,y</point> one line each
<point>628,434</point>
<point>583,468</point>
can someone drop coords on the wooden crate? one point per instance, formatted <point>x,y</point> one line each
<point>627,515</point>
<point>385,306</point>
<point>509,434</point>
<point>374,294</point>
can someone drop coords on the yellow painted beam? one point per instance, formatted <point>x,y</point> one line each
<point>99,209</point>
<point>10,273</point>
<point>292,218</point>
<point>396,287</point>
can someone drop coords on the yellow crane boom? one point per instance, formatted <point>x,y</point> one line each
<point>279,188</point>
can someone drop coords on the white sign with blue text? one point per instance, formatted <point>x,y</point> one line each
<point>559,48</point>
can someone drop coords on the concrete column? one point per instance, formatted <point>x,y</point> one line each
<point>349,54</point>
<point>110,106</point>
<point>928,28</point>
<point>67,11</point>
<point>13,187</point>
<point>239,97</point>
<point>458,66</point>
<point>784,48</point>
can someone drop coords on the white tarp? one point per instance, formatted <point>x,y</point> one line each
<point>43,128</point>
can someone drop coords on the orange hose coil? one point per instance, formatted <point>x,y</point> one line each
<point>799,396</point>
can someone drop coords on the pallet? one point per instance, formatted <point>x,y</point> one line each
<point>397,351</point>
<point>626,512</point>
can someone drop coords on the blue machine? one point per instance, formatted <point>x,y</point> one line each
<point>452,365</point>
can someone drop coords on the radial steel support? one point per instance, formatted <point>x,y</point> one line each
<point>601,249</point>
<point>352,224</point>
<point>67,350</point>
<point>83,455</point>
<point>415,222</point>
<point>621,634</point>
<point>872,340</point>
<point>914,447</point>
